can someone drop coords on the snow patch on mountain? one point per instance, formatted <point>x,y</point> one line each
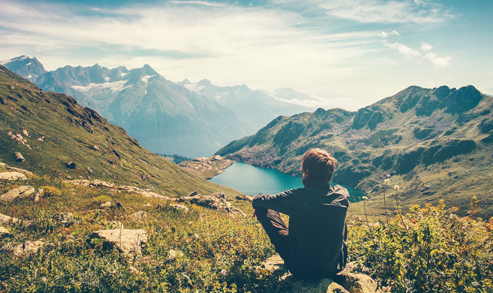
<point>145,79</point>
<point>194,87</point>
<point>20,58</point>
<point>111,86</point>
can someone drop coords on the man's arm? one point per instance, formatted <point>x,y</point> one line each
<point>281,202</point>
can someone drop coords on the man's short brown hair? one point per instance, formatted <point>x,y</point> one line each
<point>317,165</point>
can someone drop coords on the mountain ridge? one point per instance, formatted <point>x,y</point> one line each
<point>254,107</point>
<point>163,116</point>
<point>119,95</point>
<point>430,142</point>
<point>59,138</point>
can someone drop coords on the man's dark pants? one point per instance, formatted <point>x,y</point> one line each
<point>276,229</point>
<point>278,233</point>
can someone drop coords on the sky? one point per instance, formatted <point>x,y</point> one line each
<point>353,51</point>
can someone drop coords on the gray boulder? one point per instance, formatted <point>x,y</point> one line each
<point>4,219</point>
<point>38,195</point>
<point>12,176</point>
<point>106,204</point>
<point>18,157</point>
<point>19,192</point>
<point>217,201</point>
<point>4,232</point>
<point>138,215</point>
<point>354,283</point>
<point>28,247</point>
<point>126,240</point>
<point>71,165</point>
<point>245,197</point>
<point>179,207</point>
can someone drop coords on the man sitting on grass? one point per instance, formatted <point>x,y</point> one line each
<point>314,245</point>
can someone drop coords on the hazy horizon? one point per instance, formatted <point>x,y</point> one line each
<point>356,51</point>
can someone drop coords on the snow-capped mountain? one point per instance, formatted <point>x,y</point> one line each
<point>254,107</point>
<point>164,116</point>
<point>25,66</point>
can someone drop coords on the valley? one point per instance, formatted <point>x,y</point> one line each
<point>191,120</point>
<point>86,207</point>
<point>433,143</point>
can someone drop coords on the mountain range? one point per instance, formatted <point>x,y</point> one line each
<point>187,119</point>
<point>51,134</point>
<point>432,143</point>
<point>255,108</point>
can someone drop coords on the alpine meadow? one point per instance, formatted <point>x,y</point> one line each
<point>118,118</point>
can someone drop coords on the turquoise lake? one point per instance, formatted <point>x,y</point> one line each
<point>252,180</point>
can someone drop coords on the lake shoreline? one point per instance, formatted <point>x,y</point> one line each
<point>251,180</point>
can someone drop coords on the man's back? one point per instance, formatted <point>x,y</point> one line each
<point>317,228</point>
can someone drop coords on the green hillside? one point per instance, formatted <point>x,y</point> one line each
<point>432,143</point>
<point>59,131</point>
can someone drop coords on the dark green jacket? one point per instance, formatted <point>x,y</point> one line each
<point>317,227</point>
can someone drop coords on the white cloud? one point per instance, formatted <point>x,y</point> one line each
<point>403,49</point>
<point>411,53</point>
<point>267,47</point>
<point>384,35</point>
<point>261,46</point>
<point>379,11</point>
<point>425,47</point>
<point>198,3</point>
<point>437,60</point>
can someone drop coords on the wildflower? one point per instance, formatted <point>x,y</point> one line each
<point>387,181</point>
<point>224,272</point>
<point>133,270</point>
<point>396,188</point>
<point>43,279</point>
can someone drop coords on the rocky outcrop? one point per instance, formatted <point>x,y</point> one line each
<point>349,282</point>
<point>28,247</point>
<point>126,240</point>
<point>5,219</point>
<point>19,192</point>
<point>179,207</point>
<point>71,165</point>
<point>216,201</point>
<point>138,215</point>
<point>38,195</point>
<point>245,197</point>
<point>18,157</point>
<point>123,188</point>
<point>208,167</point>
<point>15,169</point>
<point>4,232</point>
<point>106,204</point>
<point>12,176</point>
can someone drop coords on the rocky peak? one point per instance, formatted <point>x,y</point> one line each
<point>25,66</point>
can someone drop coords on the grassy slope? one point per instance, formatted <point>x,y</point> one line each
<point>209,251</point>
<point>66,128</point>
<point>207,242</point>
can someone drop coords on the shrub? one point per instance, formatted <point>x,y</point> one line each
<point>441,252</point>
<point>100,199</point>
<point>51,191</point>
